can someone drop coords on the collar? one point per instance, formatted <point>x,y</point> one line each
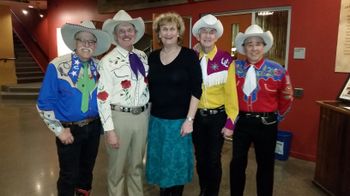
<point>210,55</point>
<point>77,64</point>
<point>123,52</point>
<point>257,65</point>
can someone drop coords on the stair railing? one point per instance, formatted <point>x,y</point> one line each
<point>5,59</point>
<point>29,42</point>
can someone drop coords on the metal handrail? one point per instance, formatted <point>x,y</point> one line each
<point>5,59</point>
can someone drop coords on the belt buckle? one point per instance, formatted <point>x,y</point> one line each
<point>203,112</point>
<point>83,123</point>
<point>136,111</point>
<point>213,112</point>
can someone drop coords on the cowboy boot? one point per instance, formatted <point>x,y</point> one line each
<point>81,192</point>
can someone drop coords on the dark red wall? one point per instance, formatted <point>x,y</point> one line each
<point>314,25</point>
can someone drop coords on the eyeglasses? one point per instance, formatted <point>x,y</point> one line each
<point>87,42</point>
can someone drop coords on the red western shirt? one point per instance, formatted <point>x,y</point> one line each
<point>273,92</point>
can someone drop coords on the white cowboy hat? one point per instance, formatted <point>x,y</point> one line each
<point>69,30</point>
<point>120,17</point>
<point>208,21</point>
<point>254,31</point>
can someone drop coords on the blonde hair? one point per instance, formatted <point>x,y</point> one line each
<point>166,18</point>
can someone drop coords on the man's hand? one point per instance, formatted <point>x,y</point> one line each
<point>66,136</point>
<point>227,132</point>
<point>112,139</point>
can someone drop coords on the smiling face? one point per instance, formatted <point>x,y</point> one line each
<point>168,33</point>
<point>85,45</point>
<point>125,35</point>
<point>207,38</point>
<point>254,49</point>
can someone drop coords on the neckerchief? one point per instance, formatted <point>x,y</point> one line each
<point>76,66</point>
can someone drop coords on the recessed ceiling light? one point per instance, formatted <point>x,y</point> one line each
<point>30,6</point>
<point>41,15</point>
<point>25,12</point>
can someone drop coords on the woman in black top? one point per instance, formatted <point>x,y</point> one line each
<point>175,88</point>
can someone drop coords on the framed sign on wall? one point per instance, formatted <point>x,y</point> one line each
<point>344,94</point>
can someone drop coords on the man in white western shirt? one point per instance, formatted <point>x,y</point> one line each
<point>123,104</point>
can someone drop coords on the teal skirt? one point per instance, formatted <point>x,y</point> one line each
<point>169,156</point>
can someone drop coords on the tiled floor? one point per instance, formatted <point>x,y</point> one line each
<point>28,161</point>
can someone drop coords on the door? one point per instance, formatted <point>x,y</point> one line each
<point>232,25</point>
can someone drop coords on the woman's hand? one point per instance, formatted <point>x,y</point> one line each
<point>187,127</point>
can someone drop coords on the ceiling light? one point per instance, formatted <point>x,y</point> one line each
<point>30,6</point>
<point>41,15</point>
<point>265,13</point>
<point>25,12</point>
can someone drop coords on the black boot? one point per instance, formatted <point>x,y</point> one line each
<point>202,193</point>
<point>165,192</point>
<point>177,190</point>
<point>81,192</point>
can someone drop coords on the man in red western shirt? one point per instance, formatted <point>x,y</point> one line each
<point>265,96</point>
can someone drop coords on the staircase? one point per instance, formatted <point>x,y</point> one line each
<point>29,75</point>
<point>20,91</point>
<point>27,70</point>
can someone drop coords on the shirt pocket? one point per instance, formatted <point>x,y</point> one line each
<point>270,87</point>
<point>122,72</point>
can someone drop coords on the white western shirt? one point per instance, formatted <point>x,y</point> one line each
<point>118,84</point>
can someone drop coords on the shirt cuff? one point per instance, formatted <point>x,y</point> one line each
<point>108,125</point>
<point>279,118</point>
<point>229,124</point>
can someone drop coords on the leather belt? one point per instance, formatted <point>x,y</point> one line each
<point>80,123</point>
<point>132,110</point>
<point>257,114</point>
<point>208,112</point>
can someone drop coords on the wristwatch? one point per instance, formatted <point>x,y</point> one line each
<point>190,119</point>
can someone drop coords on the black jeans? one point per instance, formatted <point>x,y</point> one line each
<point>252,130</point>
<point>77,160</point>
<point>208,141</point>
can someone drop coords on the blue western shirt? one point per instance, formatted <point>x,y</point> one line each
<point>61,94</point>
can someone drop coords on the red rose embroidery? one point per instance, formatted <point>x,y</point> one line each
<point>125,84</point>
<point>102,95</point>
<point>146,80</point>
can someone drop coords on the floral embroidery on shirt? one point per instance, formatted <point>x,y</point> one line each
<point>102,96</point>
<point>126,84</point>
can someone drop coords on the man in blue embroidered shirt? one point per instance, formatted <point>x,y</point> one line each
<point>67,104</point>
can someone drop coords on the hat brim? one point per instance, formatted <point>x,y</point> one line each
<point>266,36</point>
<point>68,32</point>
<point>110,24</point>
<point>201,24</point>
